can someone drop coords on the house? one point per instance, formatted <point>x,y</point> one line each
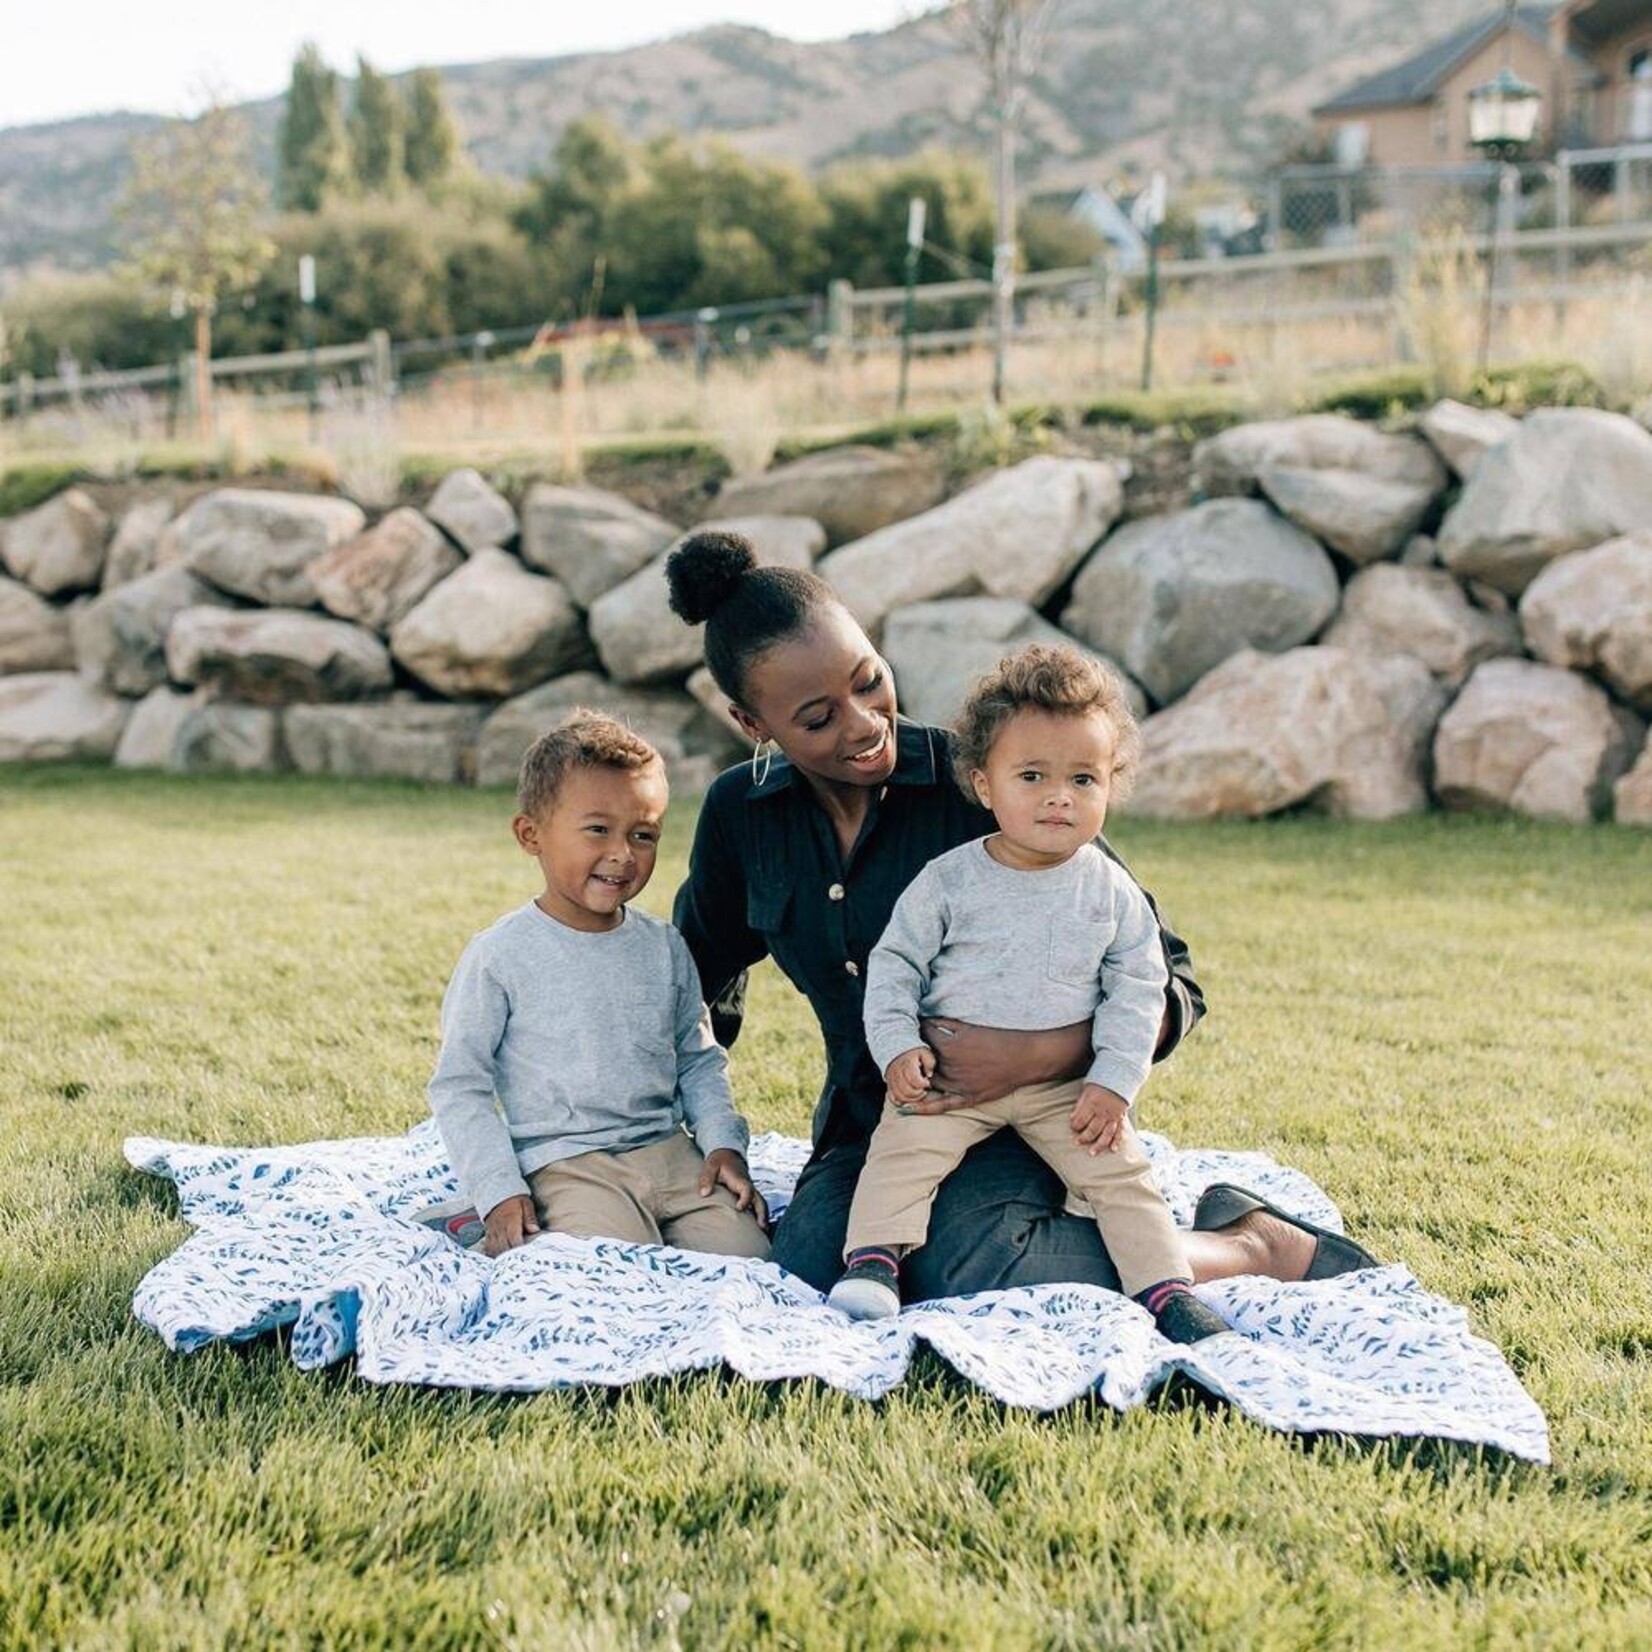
<point>1111,221</point>
<point>1591,60</point>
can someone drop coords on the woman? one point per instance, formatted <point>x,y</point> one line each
<point>801,859</point>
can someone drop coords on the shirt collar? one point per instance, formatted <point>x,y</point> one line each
<point>919,753</point>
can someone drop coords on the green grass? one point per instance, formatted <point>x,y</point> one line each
<point>1443,1021</point>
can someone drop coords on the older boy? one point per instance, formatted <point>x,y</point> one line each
<point>575,1046</point>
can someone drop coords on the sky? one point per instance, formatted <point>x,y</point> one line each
<point>80,57</point>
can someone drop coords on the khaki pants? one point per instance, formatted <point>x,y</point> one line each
<point>649,1195</point>
<point>912,1155</point>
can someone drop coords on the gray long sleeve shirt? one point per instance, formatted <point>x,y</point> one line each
<point>996,947</point>
<point>557,1042</point>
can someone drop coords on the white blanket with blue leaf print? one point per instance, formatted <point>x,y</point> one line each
<point>320,1237</point>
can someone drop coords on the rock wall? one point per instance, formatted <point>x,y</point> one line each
<point>1361,622</point>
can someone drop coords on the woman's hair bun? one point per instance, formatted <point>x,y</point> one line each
<point>704,571</point>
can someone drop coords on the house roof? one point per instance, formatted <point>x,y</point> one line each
<point>1419,77</point>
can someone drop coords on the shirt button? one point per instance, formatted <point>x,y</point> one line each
<point>835,893</point>
<point>851,968</point>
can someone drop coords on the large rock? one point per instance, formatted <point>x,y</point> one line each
<point>34,635</point>
<point>276,656</point>
<point>1344,734</point>
<point>396,740</point>
<point>135,549</point>
<point>472,510</point>
<point>1169,597</point>
<point>938,650</point>
<point>1632,795</point>
<point>1019,533</point>
<point>491,630</point>
<point>1463,436</point>
<point>57,548</point>
<point>216,735</point>
<point>47,715</point>
<point>850,491</point>
<point>1422,612</point>
<point>1233,462</point>
<point>1592,611</point>
<point>1364,517</point>
<point>591,540</point>
<point>1570,477</point>
<point>703,686</point>
<point>636,634</point>
<point>120,638</point>
<point>151,733</point>
<point>1534,739</point>
<point>379,577</point>
<point>694,747</point>
<point>260,545</point>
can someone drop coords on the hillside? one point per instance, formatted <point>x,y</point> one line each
<point>1200,86</point>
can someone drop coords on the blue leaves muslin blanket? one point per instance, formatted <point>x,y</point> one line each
<point>321,1237</point>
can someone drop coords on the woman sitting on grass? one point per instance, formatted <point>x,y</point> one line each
<point>802,857</point>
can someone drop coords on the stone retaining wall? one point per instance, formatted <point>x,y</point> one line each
<point>1357,621</point>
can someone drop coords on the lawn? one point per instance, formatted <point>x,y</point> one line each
<point>1443,1021</point>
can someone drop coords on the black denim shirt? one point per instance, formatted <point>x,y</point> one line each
<point>766,878</point>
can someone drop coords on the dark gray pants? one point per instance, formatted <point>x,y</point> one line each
<point>997,1222</point>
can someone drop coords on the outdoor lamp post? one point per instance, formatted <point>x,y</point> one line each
<point>1502,120</point>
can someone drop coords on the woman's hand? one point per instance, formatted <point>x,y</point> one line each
<point>978,1064</point>
<point>726,1168</point>
<point>510,1223</point>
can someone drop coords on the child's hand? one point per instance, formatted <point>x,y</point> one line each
<point>908,1075</point>
<point>510,1223</point>
<point>725,1168</point>
<point>1098,1119</point>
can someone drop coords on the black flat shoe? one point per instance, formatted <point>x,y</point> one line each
<point>1184,1318</point>
<point>1222,1204</point>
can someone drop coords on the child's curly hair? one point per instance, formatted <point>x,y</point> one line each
<point>584,739</point>
<point>1046,677</point>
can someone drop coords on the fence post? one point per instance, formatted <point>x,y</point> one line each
<point>840,315</point>
<point>381,364</point>
<point>1276,213</point>
<point>189,380</point>
<point>1402,263</point>
<point>25,393</point>
<point>1562,223</point>
<point>1620,186</point>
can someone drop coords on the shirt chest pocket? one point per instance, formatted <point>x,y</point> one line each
<point>1076,946</point>
<point>766,910</point>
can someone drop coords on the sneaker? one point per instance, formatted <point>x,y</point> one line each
<point>1184,1318</point>
<point>869,1289</point>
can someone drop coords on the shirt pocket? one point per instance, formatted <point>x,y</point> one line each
<point>1075,952</point>
<point>766,909</point>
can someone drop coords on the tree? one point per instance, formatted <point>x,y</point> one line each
<point>312,153</point>
<point>1007,39</point>
<point>431,144</point>
<point>193,214</point>
<point>866,206</point>
<point>376,145</point>
<point>567,206</point>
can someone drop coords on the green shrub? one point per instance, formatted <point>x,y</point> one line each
<point>1378,395</point>
<point>1201,411</point>
<point>22,487</point>
<point>1528,384</point>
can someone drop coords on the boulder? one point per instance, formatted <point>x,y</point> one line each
<point>491,630</point>
<point>938,650</point>
<point>151,733</point>
<point>1343,734</point>
<point>402,739</point>
<point>636,634</point>
<point>1419,551</point>
<point>49,715</point>
<point>1233,461</point>
<point>217,735</point>
<point>120,638</point>
<point>58,548</point>
<point>703,686</point>
<point>1422,612</point>
<point>1364,517</point>
<point>34,635</point>
<point>850,491</point>
<point>1592,611</point>
<point>135,549</point>
<point>475,513</point>
<point>1534,739</point>
<point>1462,436</point>
<point>1169,597</point>
<point>1019,533</point>
<point>1632,794</point>
<point>693,745</point>
<point>590,540</point>
<point>380,576</point>
<point>260,545</point>
<point>276,656</point>
<point>1570,477</point>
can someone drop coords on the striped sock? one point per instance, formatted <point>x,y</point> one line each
<point>1154,1297</point>
<point>874,1256</point>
